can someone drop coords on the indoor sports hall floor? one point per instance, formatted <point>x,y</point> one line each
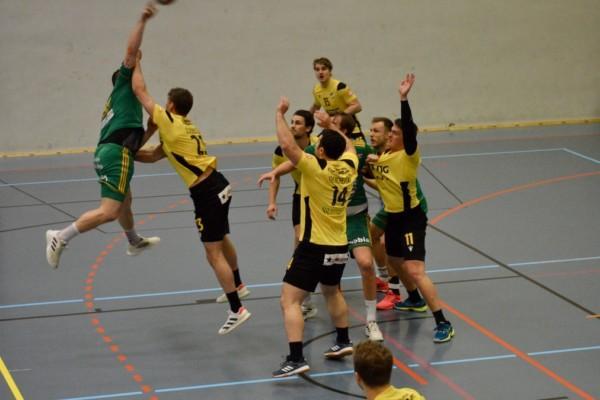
<point>514,248</point>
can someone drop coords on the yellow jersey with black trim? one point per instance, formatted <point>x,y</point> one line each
<point>279,158</point>
<point>325,190</point>
<point>336,96</point>
<point>396,174</point>
<point>393,393</point>
<point>183,145</point>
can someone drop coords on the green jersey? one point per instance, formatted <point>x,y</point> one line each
<point>122,109</point>
<point>358,201</point>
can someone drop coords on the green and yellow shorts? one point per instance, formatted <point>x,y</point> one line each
<point>357,231</point>
<point>114,167</point>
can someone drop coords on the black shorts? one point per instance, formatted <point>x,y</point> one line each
<point>405,234</point>
<point>313,264</point>
<point>296,209</point>
<point>211,199</point>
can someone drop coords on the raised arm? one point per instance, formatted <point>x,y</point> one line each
<point>135,37</point>
<point>286,140</point>
<point>139,87</point>
<point>151,128</point>
<point>409,128</point>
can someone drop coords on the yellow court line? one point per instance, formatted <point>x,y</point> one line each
<point>11,383</point>
<point>272,139</point>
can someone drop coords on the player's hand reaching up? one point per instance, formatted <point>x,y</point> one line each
<point>284,105</point>
<point>406,85</point>
<point>149,11</point>
<point>323,119</point>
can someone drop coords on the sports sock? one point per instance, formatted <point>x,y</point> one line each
<point>383,273</point>
<point>296,354</point>
<point>439,317</point>
<point>234,301</point>
<point>394,285</point>
<point>342,335</point>
<point>236,278</point>
<point>133,237</point>
<point>371,309</point>
<point>68,233</point>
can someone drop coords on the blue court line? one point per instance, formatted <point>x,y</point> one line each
<point>276,284</point>
<point>581,155</point>
<point>268,167</point>
<point>328,374</point>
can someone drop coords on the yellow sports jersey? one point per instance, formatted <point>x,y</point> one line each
<point>279,158</point>
<point>396,174</point>
<point>392,393</point>
<point>336,96</point>
<point>325,190</point>
<point>183,144</point>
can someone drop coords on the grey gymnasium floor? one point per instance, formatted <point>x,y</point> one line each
<point>514,248</point>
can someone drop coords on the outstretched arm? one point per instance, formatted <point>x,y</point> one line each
<point>135,37</point>
<point>139,87</point>
<point>286,140</point>
<point>409,129</point>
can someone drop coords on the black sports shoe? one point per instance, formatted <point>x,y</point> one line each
<point>289,368</point>
<point>338,351</point>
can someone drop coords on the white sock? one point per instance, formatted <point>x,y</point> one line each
<point>308,301</point>
<point>132,236</point>
<point>371,309</point>
<point>68,233</point>
<point>383,273</point>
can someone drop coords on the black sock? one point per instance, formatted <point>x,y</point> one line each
<point>296,354</point>
<point>439,317</point>
<point>236,278</point>
<point>234,301</point>
<point>342,335</point>
<point>414,296</point>
<point>394,280</point>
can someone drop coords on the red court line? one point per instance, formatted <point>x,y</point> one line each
<point>477,200</point>
<point>522,355</point>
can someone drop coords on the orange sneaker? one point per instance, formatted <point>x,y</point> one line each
<point>382,286</point>
<point>387,303</point>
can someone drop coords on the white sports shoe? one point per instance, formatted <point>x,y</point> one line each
<point>54,248</point>
<point>242,290</point>
<point>234,320</point>
<point>145,243</point>
<point>309,311</point>
<point>372,332</point>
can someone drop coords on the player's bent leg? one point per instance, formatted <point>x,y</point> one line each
<point>232,260</point>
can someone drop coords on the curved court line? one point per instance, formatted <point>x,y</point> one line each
<point>276,284</point>
<point>326,374</point>
<point>499,193</point>
<point>523,356</point>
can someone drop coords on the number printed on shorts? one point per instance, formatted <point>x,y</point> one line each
<point>199,225</point>
<point>409,239</point>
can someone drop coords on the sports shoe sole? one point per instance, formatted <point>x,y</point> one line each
<point>413,309</point>
<point>240,321</point>
<point>338,355</point>
<point>293,372</point>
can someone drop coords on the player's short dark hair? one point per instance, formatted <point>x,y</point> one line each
<point>332,143</point>
<point>347,123</point>
<point>324,61</point>
<point>309,120</point>
<point>182,99</point>
<point>114,77</point>
<point>373,362</point>
<point>386,122</point>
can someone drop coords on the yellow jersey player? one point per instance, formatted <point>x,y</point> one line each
<point>332,95</point>
<point>183,145</point>
<point>373,364</point>
<point>121,135</point>
<point>321,255</point>
<point>396,174</point>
